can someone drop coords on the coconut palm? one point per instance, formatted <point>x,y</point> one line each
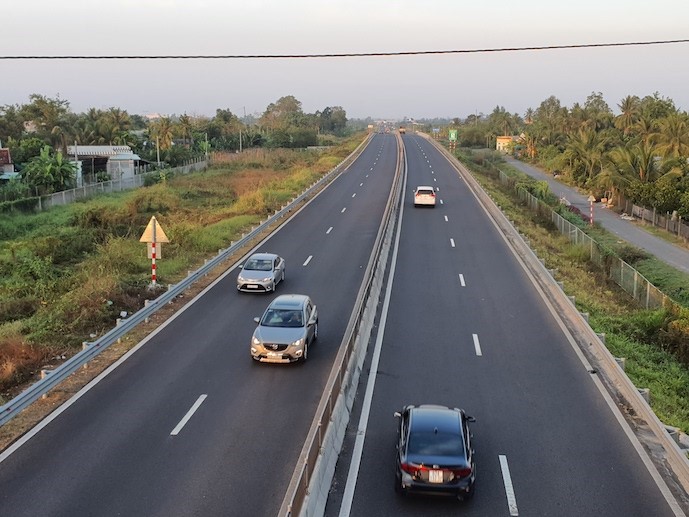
<point>673,136</point>
<point>164,130</point>
<point>630,108</point>
<point>638,161</point>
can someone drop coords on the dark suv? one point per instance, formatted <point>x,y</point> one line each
<point>434,452</point>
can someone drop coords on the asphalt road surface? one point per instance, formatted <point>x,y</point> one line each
<point>466,328</point>
<point>628,231</point>
<point>189,425</point>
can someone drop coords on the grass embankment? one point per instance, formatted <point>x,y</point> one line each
<point>68,273</point>
<point>653,342</point>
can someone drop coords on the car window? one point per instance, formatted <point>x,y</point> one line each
<point>259,265</point>
<point>436,444</point>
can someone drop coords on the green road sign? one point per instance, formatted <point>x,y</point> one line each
<point>453,135</point>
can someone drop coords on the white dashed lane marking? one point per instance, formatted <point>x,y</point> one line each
<point>307,260</point>
<point>477,345</point>
<point>188,416</point>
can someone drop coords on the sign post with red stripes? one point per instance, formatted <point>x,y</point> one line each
<point>153,235</point>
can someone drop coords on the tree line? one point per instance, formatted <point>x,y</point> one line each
<point>38,133</point>
<point>642,152</point>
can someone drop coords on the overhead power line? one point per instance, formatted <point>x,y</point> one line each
<point>361,54</point>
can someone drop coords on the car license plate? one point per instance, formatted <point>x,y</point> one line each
<point>274,354</point>
<point>251,286</point>
<point>435,476</point>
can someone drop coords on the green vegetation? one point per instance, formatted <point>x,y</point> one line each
<point>38,133</point>
<point>654,343</point>
<point>69,272</point>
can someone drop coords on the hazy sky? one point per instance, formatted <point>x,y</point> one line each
<point>381,87</point>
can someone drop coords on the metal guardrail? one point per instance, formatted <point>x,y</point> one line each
<point>298,488</point>
<point>92,349</point>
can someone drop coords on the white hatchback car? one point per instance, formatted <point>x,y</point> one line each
<point>424,196</point>
<point>261,272</point>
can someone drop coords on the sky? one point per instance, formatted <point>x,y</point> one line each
<point>387,87</point>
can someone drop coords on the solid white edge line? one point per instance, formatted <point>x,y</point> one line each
<point>461,280</point>
<point>477,345</point>
<point>329,230</point>
<point>452,243</point>
<point>189,414</point>
<point>307,260</point>
<point>355,462</point>
<point>509,489</point>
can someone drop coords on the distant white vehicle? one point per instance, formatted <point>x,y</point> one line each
<point>424,196</point>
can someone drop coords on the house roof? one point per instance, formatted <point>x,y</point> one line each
<point>5,158</point>
<point>125,156</point>
<point>98,150</point>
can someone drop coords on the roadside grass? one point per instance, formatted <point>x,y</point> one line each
<point>66,274</point>
<point>632,333</point>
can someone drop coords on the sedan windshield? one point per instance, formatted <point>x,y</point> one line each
<point>258,265</point>
<point>282,318</point>
<point>436,444</point>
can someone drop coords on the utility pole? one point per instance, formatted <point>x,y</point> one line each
<point>158,150</point>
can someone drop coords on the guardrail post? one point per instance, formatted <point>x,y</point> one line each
<point>84,346</point>
<point>621,361</point>
<point>585,315</point>
<point>645,393</point>
<point>44,373</point>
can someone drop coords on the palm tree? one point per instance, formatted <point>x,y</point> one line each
<point>637,160</point>
<point>630,108</point>
<point>646,129</point>
<point>673,136</point>
<point>186,126</point>
<point>163,129</point>
<point>585,153</point>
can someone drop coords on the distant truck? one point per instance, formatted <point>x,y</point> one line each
<point>403,130</point>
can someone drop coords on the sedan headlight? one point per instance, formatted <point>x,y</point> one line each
<point>267,279</point>
<point>240,279</point>
<point>298,342</point>
<point>255,341</point>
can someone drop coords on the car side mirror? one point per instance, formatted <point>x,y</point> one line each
<point>397,414</point>
<point>470,419</point>
<point>257,319</point>
<point>240,266</point>
<point>312,320</point>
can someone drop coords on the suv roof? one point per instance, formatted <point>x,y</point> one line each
<point>289,301</point>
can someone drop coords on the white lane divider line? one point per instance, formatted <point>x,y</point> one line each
<point>354,195</point>
<point>343,210</point>
<point>329,230</point>
<point>452,243</point>
<point>435,179</point>
<point>477,345</point>
<point>509,489</point>
<point>367,175</point>
<point>189,414</point>
<point>461,280</point>
<point>361,184</point>
<point>441,201</point>
<point>307,260</point>
<point>445,218</point>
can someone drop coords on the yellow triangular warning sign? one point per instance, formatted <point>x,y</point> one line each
<point>152,229</point>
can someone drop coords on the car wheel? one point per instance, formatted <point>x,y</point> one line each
<point>282,278</point>
<point>315,332</point>
<point>272,286</point>
<point>305,355</point>
<point>398,486</point>
<point>469,495</point>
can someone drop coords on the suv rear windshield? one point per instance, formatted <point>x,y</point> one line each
<point>424,192</point>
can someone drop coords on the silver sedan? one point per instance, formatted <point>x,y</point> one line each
<point>261,272</point>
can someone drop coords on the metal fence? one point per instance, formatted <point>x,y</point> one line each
<point>617,270</point>
<point>105,187</point>
<point>672,223</point>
